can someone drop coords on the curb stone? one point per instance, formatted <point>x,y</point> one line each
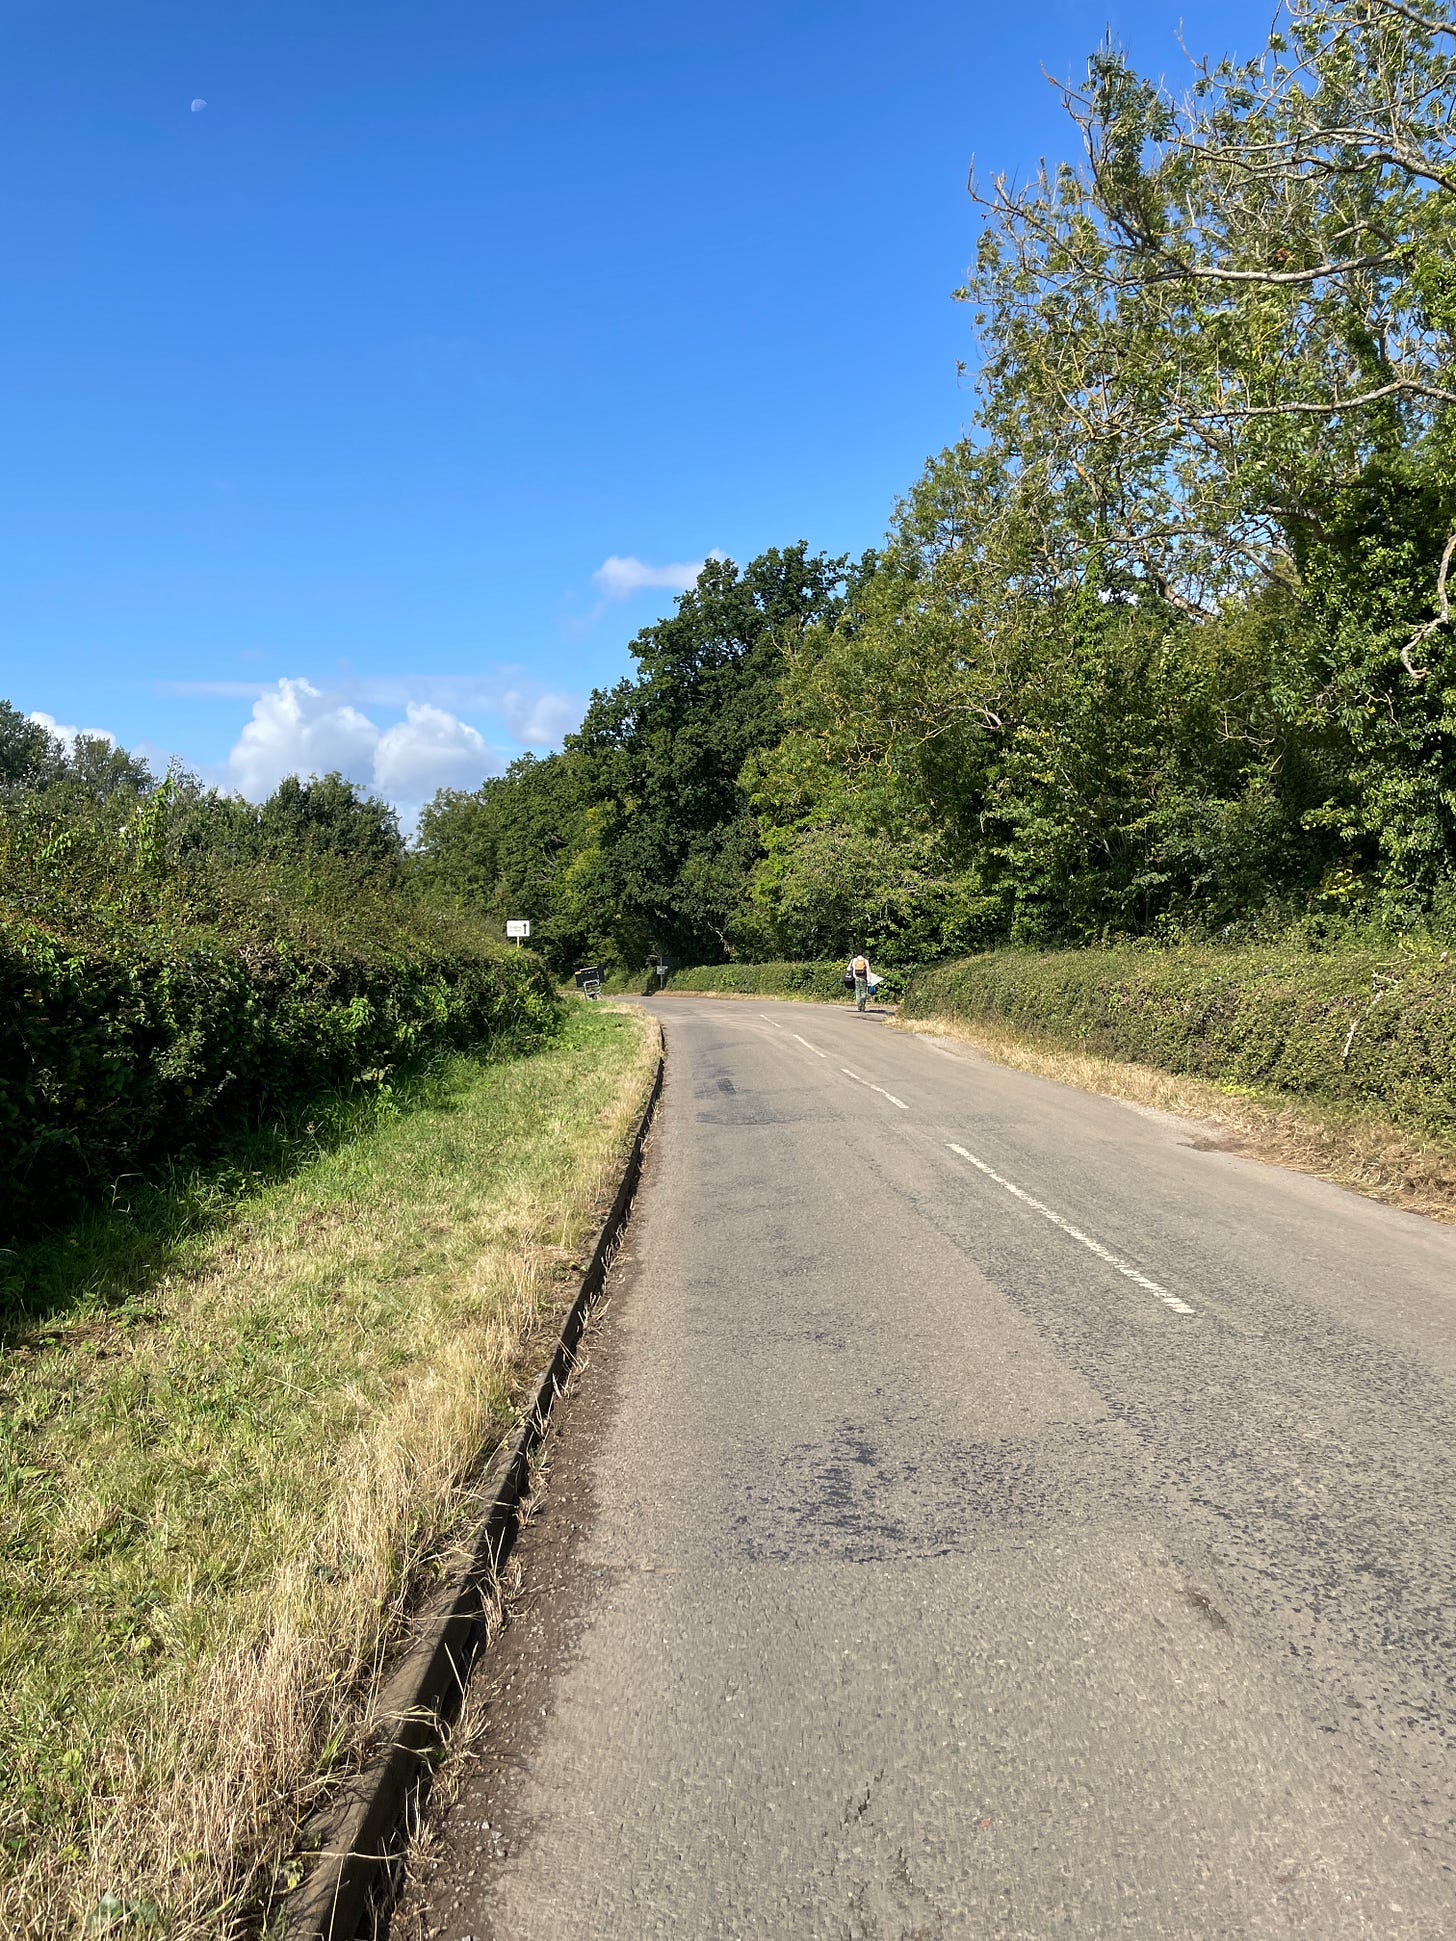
<point>352,1843</point>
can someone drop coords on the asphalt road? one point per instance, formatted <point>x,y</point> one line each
<point>988,1511</point>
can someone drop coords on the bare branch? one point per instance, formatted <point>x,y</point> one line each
<point>1180,269</point>
<point>1398,387</point>
<point>1442,619</point>
<point>1421,20</point>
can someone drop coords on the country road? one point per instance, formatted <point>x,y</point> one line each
<point>988,1510</point>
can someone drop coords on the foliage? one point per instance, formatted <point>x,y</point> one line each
<point>1348,1027</point>
<point>639,836</point>
<point>1163,646</point>
<point>662,754</point>
<point>1221,358</point>
<point>521,846</point>
<point>1160,649</point>
<point>820,982</point>
<point>150,1045</point>
<point>29,754</point>
<point>178,968</point>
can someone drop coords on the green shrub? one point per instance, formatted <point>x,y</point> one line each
<point>119,1051</point>
<point>822,980</point>
<point>1364,1028</point>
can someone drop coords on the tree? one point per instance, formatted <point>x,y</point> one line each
<point>331,816</point>
<point>1221,357</point>
<point>1234,305</point>
<point>661,755</point>
<point>29,754</point>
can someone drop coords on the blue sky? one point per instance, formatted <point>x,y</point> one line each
<point>345,415</point>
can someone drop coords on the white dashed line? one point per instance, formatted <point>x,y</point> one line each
<point>814,1048</point>
<point>1103,1253</point>
<point>875,1088</point>
<point>773,1021</point>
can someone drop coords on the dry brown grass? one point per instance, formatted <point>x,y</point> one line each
<point>1360,1150</point>
<point>222,1500</point>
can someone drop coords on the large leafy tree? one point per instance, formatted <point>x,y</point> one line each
<point>640,835</point>
<point>661,755</point>
<point>521,846</point>
<point>328,815</point>
<point>1203,332</point>
<point>1167,641</point>
<point>962,766</point>
<point>29,755</point>
<point>1221,356</point>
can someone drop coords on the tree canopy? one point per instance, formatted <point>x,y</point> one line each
<point>1164,645</point>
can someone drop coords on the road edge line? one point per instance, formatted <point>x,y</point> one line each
<point>355,1838</point>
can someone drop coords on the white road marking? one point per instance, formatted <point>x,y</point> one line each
<point>1103,1253</point>
<point>773,1021</point>
<point>814,1048</point>
<point>875,1088</point>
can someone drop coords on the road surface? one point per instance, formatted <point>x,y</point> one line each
<point>989,1510</point>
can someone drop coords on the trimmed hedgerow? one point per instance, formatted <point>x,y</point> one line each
<point>1345,1027</point>
<point>823,981</point>
<point>122,1050</point>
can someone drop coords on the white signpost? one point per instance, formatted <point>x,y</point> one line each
<point>518,927</point>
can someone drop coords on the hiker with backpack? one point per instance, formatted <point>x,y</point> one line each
<point>859,978</point>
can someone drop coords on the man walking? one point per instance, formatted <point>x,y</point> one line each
<point>859,971</point>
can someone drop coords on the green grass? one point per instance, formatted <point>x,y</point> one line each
<point>238,1430</point>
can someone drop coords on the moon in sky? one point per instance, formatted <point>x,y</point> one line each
<point>198,105</point>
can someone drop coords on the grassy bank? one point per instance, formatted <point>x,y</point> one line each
<point>230,1454</point>
<point>1362,1150</point>
<point>1350,1030</point>
<point>134,1046</point>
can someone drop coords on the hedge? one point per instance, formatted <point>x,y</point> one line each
<point>118,1053</point>
<point>1345,1027</point>
<point>821,981</point>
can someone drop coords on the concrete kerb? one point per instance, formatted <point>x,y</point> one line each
<point>354,1841</point>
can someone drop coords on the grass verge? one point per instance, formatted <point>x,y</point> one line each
<point>224,1482</point>
<point>1361,1150</point>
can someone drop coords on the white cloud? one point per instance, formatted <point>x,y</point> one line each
<point>430,749</point>
<point>296,729</point>
<point>61,732</point>
<point>618,578</point>
<point>540,719</point>
<point>533,715</point>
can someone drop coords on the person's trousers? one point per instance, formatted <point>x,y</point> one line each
<point>861,993</point>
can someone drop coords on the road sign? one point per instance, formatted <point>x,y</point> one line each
<point>518,927</point>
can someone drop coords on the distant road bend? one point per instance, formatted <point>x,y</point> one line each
<point>988,1512</point>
